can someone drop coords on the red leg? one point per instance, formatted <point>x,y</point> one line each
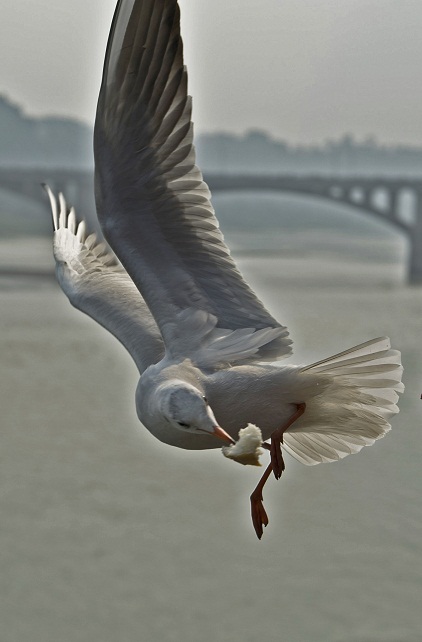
<point>258,512</point>
<point>277,439</point>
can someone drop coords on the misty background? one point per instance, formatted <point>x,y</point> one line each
<point>316,87</point>
<point>304,71</point>
<point>107,534</point>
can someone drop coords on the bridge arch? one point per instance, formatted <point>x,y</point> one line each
<point>356,192</point>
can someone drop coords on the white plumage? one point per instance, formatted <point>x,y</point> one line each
<point>360,396</point>
<point>201,339</point>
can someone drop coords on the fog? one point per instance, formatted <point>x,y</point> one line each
<point>305,71</point>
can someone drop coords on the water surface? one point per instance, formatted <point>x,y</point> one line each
<point>108,535</point>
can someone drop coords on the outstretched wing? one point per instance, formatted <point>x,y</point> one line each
<point>95,283</point>
<point>152,202</point>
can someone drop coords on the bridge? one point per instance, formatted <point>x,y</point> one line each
<point>396,201</point>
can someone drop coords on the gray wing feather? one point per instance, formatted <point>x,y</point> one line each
<point>95,283</point>
<point>153,204</point>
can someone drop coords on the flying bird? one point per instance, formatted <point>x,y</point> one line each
<point>207,350</point>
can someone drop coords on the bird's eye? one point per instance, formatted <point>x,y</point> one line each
<point>205,399</point>
<point>182,424</point>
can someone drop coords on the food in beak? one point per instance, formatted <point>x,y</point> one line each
<point>247,449</point>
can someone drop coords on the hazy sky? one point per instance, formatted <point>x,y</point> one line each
<point>305,70</point>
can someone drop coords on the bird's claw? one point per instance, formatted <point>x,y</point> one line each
<point>259,515</point>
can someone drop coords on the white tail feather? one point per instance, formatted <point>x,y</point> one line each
<point>359,394</point>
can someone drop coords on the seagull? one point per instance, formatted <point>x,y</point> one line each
<point>165,285</point>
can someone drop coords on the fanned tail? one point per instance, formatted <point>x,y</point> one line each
<point>359,392</point>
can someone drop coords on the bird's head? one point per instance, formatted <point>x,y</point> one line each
<point>188,410</point>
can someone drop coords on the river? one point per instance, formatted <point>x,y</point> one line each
<point>108,535</point>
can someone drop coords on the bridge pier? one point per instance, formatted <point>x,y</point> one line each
<point>415,263</point>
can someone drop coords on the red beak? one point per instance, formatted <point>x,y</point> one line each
<point>221,434</point>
